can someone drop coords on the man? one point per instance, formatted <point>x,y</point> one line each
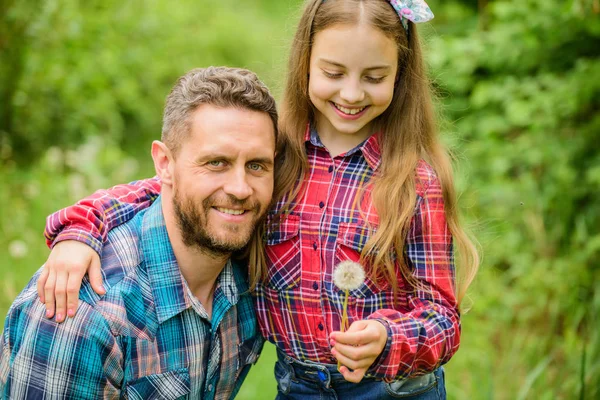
<point>176,319</point>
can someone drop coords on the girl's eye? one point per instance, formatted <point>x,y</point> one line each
<point>332,75</point>
<point>372,79</point>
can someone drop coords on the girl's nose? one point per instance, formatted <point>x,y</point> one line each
<point>352,92</point>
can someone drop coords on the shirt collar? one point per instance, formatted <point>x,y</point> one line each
<point>369,147</point>
<point>169,289</point>
<point>227,283</point>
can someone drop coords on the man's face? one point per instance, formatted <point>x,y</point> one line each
<point>223,177</point>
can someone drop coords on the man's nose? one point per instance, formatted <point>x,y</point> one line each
<point>237,184</point>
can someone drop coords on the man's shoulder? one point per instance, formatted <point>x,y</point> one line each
<point>122,252</point>
<point>127,293</point>
<point>120,258</point>
<point>128,305</point>
<point>38,355</point>
<point>27,314</point>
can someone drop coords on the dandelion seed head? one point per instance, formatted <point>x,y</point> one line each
<point>17,249</point>
<point>348,275</point>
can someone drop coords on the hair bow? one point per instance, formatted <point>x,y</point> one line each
<point>411,10</point>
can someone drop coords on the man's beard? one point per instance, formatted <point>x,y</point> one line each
<point>195,230</point>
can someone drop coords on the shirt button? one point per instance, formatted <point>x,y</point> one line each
<point>210,387</point>
<point>315,285</point>
<point>321,327</point>
<point>321,204</point>
<point>315,245</point>
<point>331,168</point>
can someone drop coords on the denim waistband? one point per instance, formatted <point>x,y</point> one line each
<point>326,374</point>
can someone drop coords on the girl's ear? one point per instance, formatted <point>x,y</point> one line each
<point>164,162</point>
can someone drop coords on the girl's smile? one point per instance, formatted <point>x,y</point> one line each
<point>349,112</point>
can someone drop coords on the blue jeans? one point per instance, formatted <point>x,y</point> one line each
<point>304,380</point>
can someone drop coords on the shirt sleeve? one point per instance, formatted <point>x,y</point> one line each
<point>89,220</point>
<point>40,358</point>
<point>428,335</point>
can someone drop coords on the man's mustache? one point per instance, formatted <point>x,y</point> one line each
<point>231,202</point>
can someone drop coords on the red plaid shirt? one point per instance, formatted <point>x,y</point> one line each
<point>299,305</point>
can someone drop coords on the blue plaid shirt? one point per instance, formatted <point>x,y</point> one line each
<point>147,338</point>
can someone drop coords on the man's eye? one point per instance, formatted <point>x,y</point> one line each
<point>255,166</point>
<point>215,163</point>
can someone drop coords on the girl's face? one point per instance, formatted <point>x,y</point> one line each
<point>352,74</point>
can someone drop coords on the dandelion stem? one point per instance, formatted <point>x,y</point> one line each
<point>343,326</point>
<point>345,313</point>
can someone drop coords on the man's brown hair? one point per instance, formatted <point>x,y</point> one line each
<point>219,87</point>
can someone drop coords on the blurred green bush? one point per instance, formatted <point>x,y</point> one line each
<point>71,69</point>
<point>520,83</point>
<point>81,95</point>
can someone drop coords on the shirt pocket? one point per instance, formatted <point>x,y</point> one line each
<point>284,253</point>
<point>350,242</point>
<point>170,385</point>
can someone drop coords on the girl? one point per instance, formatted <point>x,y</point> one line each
<point>362,177</point>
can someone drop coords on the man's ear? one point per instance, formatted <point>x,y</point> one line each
<point>164,162</point>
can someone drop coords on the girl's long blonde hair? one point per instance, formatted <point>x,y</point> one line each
<point>408,134</point>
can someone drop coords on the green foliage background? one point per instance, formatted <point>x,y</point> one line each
<point>82,86</point>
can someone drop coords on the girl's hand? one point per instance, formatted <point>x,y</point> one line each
<point>61,277</point>
<point>358,347</point>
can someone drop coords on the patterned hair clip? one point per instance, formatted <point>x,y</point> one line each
<point>411,10</point>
